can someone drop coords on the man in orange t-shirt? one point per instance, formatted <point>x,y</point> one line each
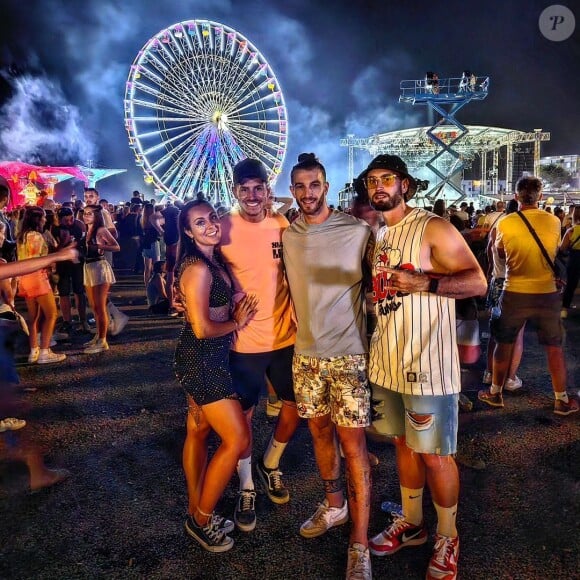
<point>252,248</point>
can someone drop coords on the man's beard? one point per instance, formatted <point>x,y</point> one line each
<point>314,210</point>
<point>388,203</point>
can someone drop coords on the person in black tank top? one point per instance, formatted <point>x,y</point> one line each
<point>202,367</point>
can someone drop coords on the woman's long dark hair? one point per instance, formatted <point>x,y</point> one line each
<point>187,246</point>
<point>98,220</point>
<point>30,222</point>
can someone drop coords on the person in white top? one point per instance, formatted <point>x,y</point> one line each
<point>421,263</point>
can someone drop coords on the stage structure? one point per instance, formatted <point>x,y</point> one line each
<point>445,97</point>
<point>442,152</point>
<point>199,98</point>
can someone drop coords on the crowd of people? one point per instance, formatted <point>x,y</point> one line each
<point>368,337</point>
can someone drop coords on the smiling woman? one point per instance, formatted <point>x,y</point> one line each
<point>201,366</point>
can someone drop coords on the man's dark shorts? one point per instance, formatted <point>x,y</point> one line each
<point>250,369</point>
<point>70,277</point>
<point>541,309</point>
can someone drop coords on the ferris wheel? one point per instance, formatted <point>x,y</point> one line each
<point>199,98</point>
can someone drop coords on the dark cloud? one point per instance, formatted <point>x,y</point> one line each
<point>339,64</point>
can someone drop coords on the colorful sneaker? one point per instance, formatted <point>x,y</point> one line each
<point>245,512</point>
<point>491,399</point>
<point>271,480</point>
<point>273,409</point>
<point>486,380</point>
<point>212,538</point>
<point>443,563</point>
<point>359,563</point>
<point>563,408</point>
<point>34,353</point>
<point>514,384</point>
<point>400,534</point>
<point>324,518</point>
<point>47,357</point>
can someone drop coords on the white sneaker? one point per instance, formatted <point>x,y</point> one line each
<point>324,518</point>
<point>513,384</point>
<point>92,341</point>
<point>486,380</point>
<point>33,356</point>
<point>99,346</point>
<point>359,563</point>
<point>47,357</point>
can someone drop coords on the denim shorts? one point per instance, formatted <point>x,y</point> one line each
<point>429,423</point>
<point>337,386</point>
<point>154,252</point>
<point>249,371</point>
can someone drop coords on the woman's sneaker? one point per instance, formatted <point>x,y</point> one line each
<point>47,357</point>
<point>227,526</point>
<point>514,384</point>
<point>210,536</point>
<point>100,345</point>
<point>33,356</point>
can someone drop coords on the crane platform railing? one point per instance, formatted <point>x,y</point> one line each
<point>450,90</point>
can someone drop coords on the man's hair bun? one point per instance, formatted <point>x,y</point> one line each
<point>306,157</point>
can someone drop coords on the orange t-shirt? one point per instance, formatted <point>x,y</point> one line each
<point>253,252</point>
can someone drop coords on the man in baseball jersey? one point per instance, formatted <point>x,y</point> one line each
<point>421,264</point>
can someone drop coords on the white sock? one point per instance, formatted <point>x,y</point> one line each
<point>245,473</point>
<point>274,453</point>
<point>563,396</point>
<point>494,389</point>
<point>412,503</point>
<point>446,520</point>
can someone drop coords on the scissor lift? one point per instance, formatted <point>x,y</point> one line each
<point>446,97</point>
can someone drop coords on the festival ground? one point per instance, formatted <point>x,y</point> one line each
<point>116,420</point>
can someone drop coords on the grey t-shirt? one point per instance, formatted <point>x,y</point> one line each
<point>324,269</point>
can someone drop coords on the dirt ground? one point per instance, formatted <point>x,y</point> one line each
<point>116,420</point>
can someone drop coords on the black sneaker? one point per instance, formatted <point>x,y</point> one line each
<point>210,536</point>
<point>245,512</point>
<point>64,331</point>
<point>271,480</point>
<point>227,526</point>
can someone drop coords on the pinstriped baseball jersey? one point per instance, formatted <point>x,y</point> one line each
<point>414,347</point>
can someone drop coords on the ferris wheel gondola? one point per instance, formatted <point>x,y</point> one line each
<point>199,98</point>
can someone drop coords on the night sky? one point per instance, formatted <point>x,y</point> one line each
<point>64,63</point>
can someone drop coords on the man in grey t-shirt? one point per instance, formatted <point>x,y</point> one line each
<point>324,257</point>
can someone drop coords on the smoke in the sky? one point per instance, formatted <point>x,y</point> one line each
<point>38,125</point>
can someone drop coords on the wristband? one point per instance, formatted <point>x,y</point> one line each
<point>433,285</point>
